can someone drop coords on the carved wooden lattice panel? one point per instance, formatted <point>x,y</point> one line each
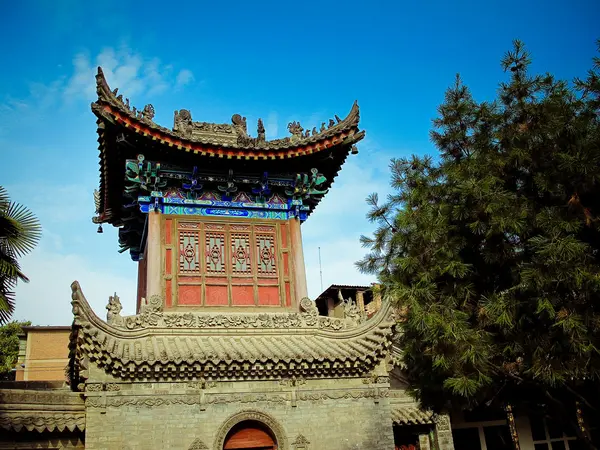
<point>189,251</point>
<point>215,252</point>
<point>241,262</point>
<point>265,252</point>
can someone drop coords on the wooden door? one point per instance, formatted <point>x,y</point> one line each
<point>249,437</point>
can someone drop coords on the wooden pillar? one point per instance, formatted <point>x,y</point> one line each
<point>360,301</point>
<point>153,251</point>
<point>298,261</point>
<point>377,297</point>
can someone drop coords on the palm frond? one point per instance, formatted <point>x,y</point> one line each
<point>20,229</point>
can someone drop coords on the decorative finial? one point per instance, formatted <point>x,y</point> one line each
<point>261,131</point>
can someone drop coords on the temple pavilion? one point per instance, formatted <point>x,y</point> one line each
<point>226,351</point>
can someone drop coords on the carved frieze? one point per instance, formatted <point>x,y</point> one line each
<point>342,394</point>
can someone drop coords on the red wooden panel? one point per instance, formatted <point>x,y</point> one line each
<point>268,281</point>
<point>186,279</point>
<point>168,231</point>
<point>168,294</point>
<point>283,229</point>
<point>249,438</point>
<point>288,295</point>
<point>190,295</point>
<point>238,280</point>
<point>216,296</point>
<point>168,262</point>
<point>242,295</point>
<point>268,295</point>
<point>286,264</point>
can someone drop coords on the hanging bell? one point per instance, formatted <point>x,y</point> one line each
<point>100,229</point>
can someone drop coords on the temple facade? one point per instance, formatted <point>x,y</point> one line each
<point>226,351</point>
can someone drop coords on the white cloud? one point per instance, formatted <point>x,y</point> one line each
<point>129,71</point>
<point>46,299</point>
<point>338,221</point>
<point>184,77</point>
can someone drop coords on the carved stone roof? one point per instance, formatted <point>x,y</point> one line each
<point>158,346</point>
<point>53,410</point>
<point>410,414</point>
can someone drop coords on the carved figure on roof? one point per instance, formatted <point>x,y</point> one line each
<point>295,129</point>
<point>322,127</point>
<point>351,310</point>
<point>331,123</point>
<point>308,306</point>
<point>261,131</point>
<point>113,314</point>
<point>314,131</point>
<point>148,112</point>
<point>183,123</point>
<point>239,124</point>
<point>307,133</point>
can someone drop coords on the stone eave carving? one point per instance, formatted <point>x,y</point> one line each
<point>111,106</point>
<point>41,411</point>
<point>229,347</point>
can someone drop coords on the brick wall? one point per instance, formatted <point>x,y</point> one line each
<point>331,414</point>
<point>46,353</point>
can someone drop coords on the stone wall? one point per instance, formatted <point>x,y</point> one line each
<point>328,414</point>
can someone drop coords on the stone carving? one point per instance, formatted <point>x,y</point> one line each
<point>295,129</point>
<point>261,131</point>
<point>344,393</point>
<point>373,378</point>
<point>113,315</point>
<point>246,398</point>
<point>259,416</point>
<point>36,397</point>
<point>292,382</point>
<point>43,421</point>
<point>183,123</point>
<point>241,130</point>
<point>99,387</point>
<point>309,306</point>
<point>150,402</point>
<point>198,445</point>
<point>331,123</point>
<point>148,113</point>
<point>201,384</point>
<point>300,443</point>
<point>351,310</point>
<point>308,319</point>
<point>442,422</point>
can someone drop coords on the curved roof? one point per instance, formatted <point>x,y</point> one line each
<point>124,132</point>
<point>224,140</point>
<point>227,346</point>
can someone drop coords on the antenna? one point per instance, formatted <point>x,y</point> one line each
<point>320,269</point>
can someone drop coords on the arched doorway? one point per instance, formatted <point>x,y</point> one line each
<point>250,435</point>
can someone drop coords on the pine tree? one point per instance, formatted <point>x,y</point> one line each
<point>493,249</point>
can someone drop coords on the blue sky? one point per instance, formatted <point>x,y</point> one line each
<point>281,61</point>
